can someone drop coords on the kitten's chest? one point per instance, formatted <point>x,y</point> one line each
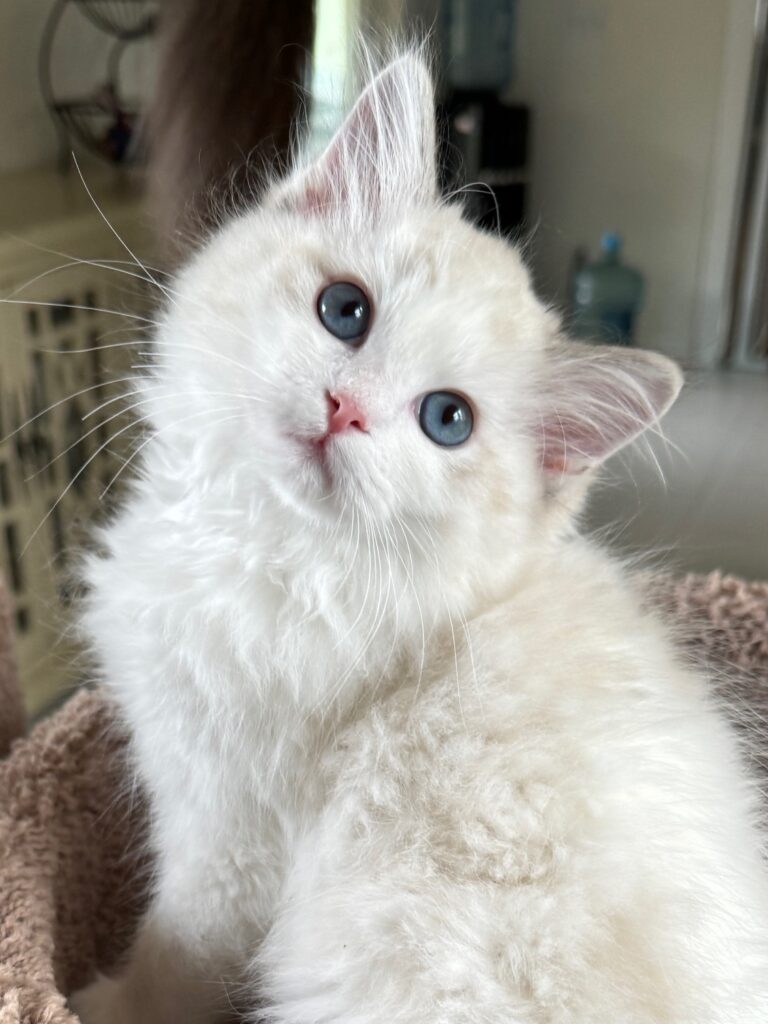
<point>248,759</point>
<point>235,789</point>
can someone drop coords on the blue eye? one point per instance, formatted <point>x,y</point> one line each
<point>446,418</point>
<point>345,311</point>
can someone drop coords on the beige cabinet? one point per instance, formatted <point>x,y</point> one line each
<point>63,365</point>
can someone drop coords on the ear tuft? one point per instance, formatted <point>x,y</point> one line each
<point>597,399</point>
<point>383,155</point>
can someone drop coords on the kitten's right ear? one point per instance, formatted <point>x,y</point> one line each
<point>383,155</point>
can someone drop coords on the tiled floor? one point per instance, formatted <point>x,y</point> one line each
<point>711,509</point>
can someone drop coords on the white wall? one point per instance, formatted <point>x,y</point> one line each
<point>27,134</point>
<point>637,113</point>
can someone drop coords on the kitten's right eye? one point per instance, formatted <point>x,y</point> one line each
<point>345,312</point>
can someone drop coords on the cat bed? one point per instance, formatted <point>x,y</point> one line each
<point>11,704</point>
<point>73,875</point>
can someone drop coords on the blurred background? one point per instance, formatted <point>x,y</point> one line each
<point>623,145</point>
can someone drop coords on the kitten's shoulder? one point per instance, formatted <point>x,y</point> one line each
<point>582,613</point>
<point>580,581</point>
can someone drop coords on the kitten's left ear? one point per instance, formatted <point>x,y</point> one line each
<point>382,157</point>
<point>596,398</point>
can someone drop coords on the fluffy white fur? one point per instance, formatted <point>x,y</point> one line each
<point>414,752</point>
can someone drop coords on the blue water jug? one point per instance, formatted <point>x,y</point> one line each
<point>607,296</point>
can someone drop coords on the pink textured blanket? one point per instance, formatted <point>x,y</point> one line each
<point>72,881</point>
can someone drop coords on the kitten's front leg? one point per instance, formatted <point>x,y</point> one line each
<point>163,982</point>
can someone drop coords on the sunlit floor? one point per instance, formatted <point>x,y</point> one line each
<point>711,509</point>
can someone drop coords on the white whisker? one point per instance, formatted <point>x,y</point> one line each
<point>61,401</point>
<point>111,227</point>
<point>83,468</point>
<point>154,435</point>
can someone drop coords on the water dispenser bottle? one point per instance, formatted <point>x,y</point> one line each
<point>606,296</point>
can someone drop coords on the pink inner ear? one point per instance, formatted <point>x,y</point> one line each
<point>352,163</point>
<point>317,192</point>
<point>381,155</point>
<point>598,400</point>
<point>312,200</point>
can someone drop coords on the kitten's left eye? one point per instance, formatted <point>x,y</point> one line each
<point>345,311</point>
<point>446,418</point>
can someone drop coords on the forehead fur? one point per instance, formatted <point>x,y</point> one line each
<point>430,263</point>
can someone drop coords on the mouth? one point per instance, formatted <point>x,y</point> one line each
<point>325,461</point>
<point>314,458</point>
<point>319,448</point>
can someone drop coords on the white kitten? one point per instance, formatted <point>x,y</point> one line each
<point>414,752</point>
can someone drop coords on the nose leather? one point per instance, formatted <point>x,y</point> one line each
<point>344,413</point>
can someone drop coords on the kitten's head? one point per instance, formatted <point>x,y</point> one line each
<point>362,351</point>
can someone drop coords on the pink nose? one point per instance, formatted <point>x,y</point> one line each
<point>343,413</point>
